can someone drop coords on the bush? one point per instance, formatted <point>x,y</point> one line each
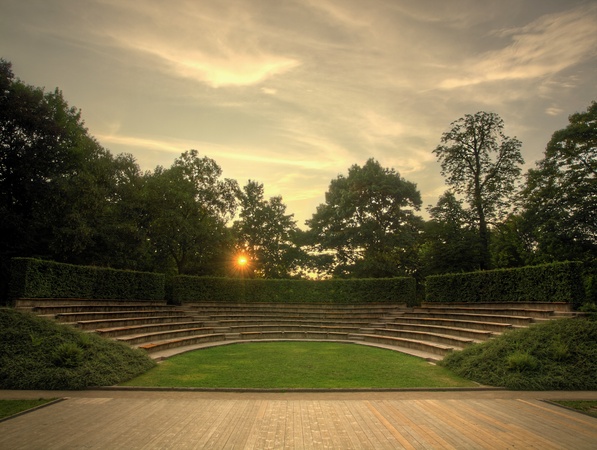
<point>558,282</point>
<point>34,278</point>
<point>557,355</point>
<point>208,289</point>
<point>36,353</point>
<point>68,354</point>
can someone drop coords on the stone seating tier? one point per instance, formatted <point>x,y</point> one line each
<point>430,331</point>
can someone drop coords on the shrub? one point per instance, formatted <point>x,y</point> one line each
<point>68,354</point>
<point>34,278</point>
<point>558,282</point>
<point>560,354</point>
<point>36,353</point>
<point>205,289</point>
<point>521,362</point>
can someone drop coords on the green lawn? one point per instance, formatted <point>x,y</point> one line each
<point>287,365</point>
<point>11,407</point>
<point>585,406</point>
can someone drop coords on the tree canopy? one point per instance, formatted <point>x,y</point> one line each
<point>266,234</point>
<point>560,198</point>
<point>483,164</point>
<point>368,223</point>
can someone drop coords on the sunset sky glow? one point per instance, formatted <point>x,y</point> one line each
<point>291,93</point>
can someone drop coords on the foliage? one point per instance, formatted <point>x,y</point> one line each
<point>48,158</point>
<point>513,244</point>
<point>266,234</point>
<point>558,355</point>
<point>483,164</point>
<point>560,199</point>
<point>36,353</point>
<point>557,282</point>
<point>292,365</point>
<point>378,290</point>
<point>450,240</point>
<point>368,223</point>
<point>34,278</point>
<point>188,207</point>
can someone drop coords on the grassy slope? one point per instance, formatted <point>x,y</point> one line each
<point>557,355</point>
<point>38,354</point>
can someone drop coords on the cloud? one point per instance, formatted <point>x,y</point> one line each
<point>242,69</point>
<point>177,146</point>
<point>548,45</point>
<point>554,111</point>
<point>216,44</point>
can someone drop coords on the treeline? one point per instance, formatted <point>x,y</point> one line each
<point>64,197</point>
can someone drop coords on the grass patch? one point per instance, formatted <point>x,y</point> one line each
<point>287,365</point>
<point>584,406</point>
<point>36,353</point>
<point>11,407</point>
<point>557,355</point>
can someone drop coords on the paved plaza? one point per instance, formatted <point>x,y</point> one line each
<point>140,419</point>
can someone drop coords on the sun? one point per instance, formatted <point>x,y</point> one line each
<point>242,261</point>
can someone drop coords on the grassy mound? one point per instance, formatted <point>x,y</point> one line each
<point>557,355</point>
<point>38,354</point>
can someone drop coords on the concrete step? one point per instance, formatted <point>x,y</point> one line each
<point>380,308</point>
<point>550,306</point>
<point>292,328</point>
<point>162,335</point>
<point>425,346</point>
<point>469,333</point>
<point>125,322</point>
<point>452,341</point>
<point>513,320</point>
<point>82,308</point>
<point>88,316</point>
<point>526,312</point>
<point>289,323</point>
<point>146,328</point>
<point>287,316</point>
<point>293,335</point>
<point>453,323</point>
<point>28,302</point>
<point>156,346</point>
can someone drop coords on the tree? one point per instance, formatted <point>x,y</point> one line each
<point>188,207</point>
<point>266,234</point>
<point>560,197</point>
<point>368,223</point>
<point>451,243</point>
<point>482,164</point>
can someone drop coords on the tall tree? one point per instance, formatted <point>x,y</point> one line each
<point>368,223</point>
<point>560,198</point>
<point>267,234</point>
<point>482,164</point>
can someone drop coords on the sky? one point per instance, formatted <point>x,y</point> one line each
<point>292,93</point>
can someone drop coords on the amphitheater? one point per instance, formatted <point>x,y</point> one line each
<point>478,418</point>
<point>430,331</point>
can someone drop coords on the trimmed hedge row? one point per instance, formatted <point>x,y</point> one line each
<point>557,282</point>
<point>207,289</point>
<point>34,278</point>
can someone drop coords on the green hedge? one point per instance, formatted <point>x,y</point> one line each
<point>557,282</point>
<point>206,289</point>
<point>34,278</point>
